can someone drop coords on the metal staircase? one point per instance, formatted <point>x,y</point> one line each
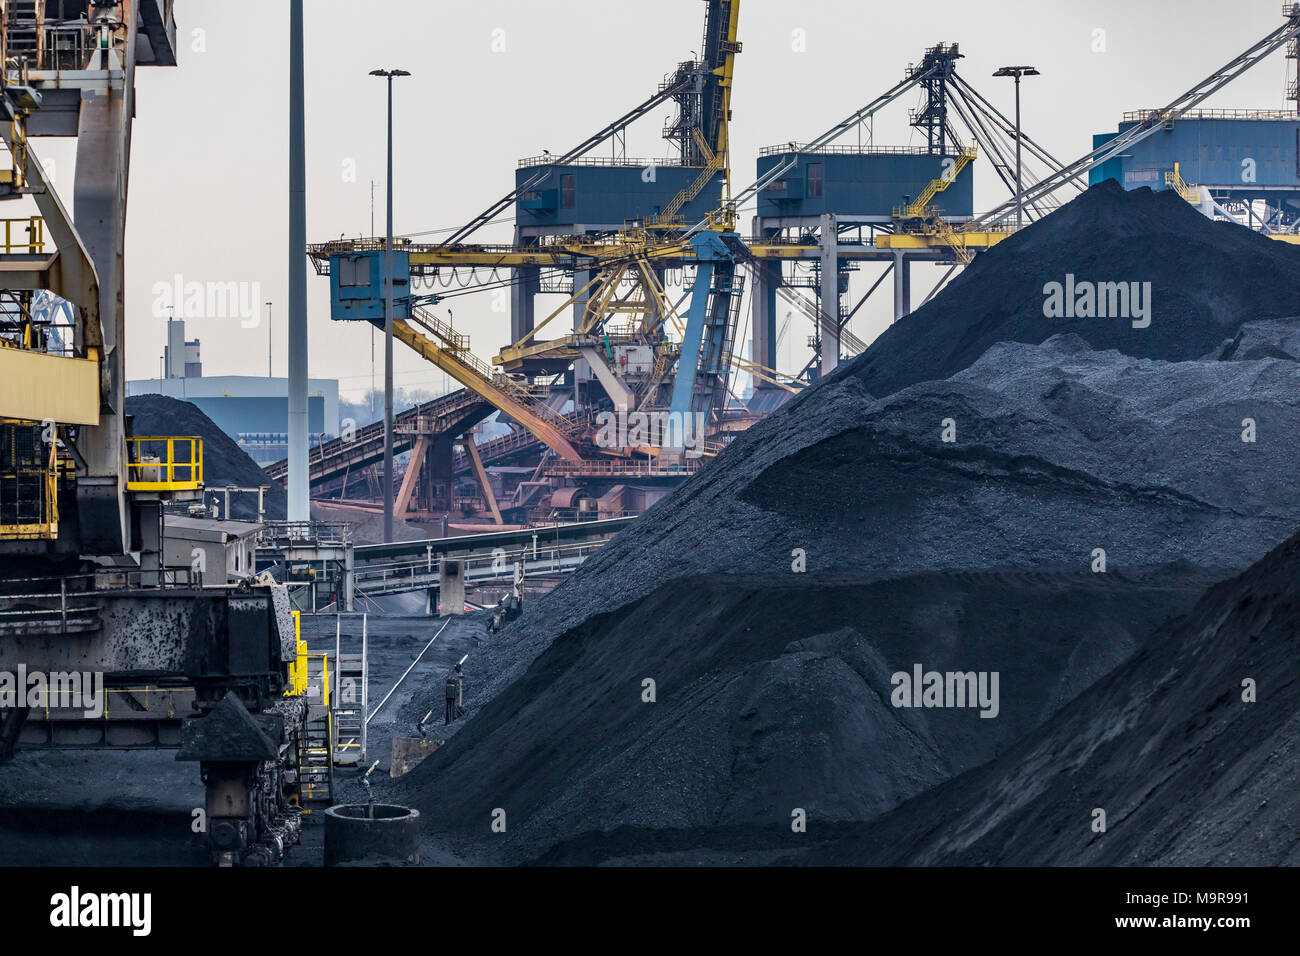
<point>315,742</point>
<point>968,155</point>
<point>350,708</point>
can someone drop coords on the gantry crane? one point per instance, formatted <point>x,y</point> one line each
<point>622,308</point>
<point>626,323</point>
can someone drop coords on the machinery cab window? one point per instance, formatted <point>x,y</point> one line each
<point>814,180</point>
<point>354,272</point>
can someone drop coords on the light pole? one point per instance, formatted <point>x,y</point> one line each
<point>299,487</point>
<point>268,340</point>
<point>388,320</point>
<point>1018,72</point>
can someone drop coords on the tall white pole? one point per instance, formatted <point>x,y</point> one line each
<point>299,493</point>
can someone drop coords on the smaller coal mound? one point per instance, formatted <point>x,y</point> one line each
<point>1189,748</point>
<point>224,462</point>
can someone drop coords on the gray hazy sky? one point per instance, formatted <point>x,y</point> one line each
<point>209,165</point>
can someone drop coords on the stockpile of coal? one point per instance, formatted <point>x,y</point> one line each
<point>224,462</point>
<point>1205,277</point>
<point>729,660</point>
<point>1189,749</point>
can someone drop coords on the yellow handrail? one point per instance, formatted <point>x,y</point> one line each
<point>170,473</point>
<point>35,229</point>
<point>1174,180</point>
<point>967,155</point>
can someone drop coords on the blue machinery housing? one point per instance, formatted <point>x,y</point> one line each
<point>1240,157</point>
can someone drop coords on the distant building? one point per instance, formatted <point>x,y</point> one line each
<point>180,358</point>
<point>251,409</point>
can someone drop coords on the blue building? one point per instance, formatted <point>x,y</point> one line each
<point>856,185</point>
<point>592,196</point>
<point>1239,156</point>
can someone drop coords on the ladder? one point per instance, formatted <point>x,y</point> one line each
<point>315,768</point>
<point>24,30</point>
<point>349,717</point>
<point>350,699</point>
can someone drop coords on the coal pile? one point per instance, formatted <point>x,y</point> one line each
<point>1207,278</point>
<point>1189,771</point>
<point>772,598</point>
<point>773,696</point>
<point>224,462</point>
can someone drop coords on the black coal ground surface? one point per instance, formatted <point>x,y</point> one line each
<point>771,696</point>
<point>224,462</point>
<point>1188,772</point>
<point>1060,450</point>
<point>1207,278</point>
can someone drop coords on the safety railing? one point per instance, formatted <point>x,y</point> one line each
<point>33,226</point>
<point>832,150</point>
<point>456,346</point>
<point>413,573</point>
<point>165,464</point>
<point>548,160</point>
<point>278,534</point>
<point>1144,116</point>
<point>626,468</point>
<point>1174,180</point>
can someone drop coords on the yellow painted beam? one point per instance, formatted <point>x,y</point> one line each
<point>36,387</point>
<point>907,240</point>
<point>547,433</point>
<point>562,350</point>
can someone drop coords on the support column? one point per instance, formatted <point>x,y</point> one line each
<point>412,475</point>
<point>907,286</point>
<point>526,285</point>
<point>481,476</point>
<point>581,370</point>
<point>767,279</point>
<point>902,285</point>
<point>451,587</point>
<point>830,295</point>
<point>439,469</point>
<point>349,583</point>
<point>99,212</point>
